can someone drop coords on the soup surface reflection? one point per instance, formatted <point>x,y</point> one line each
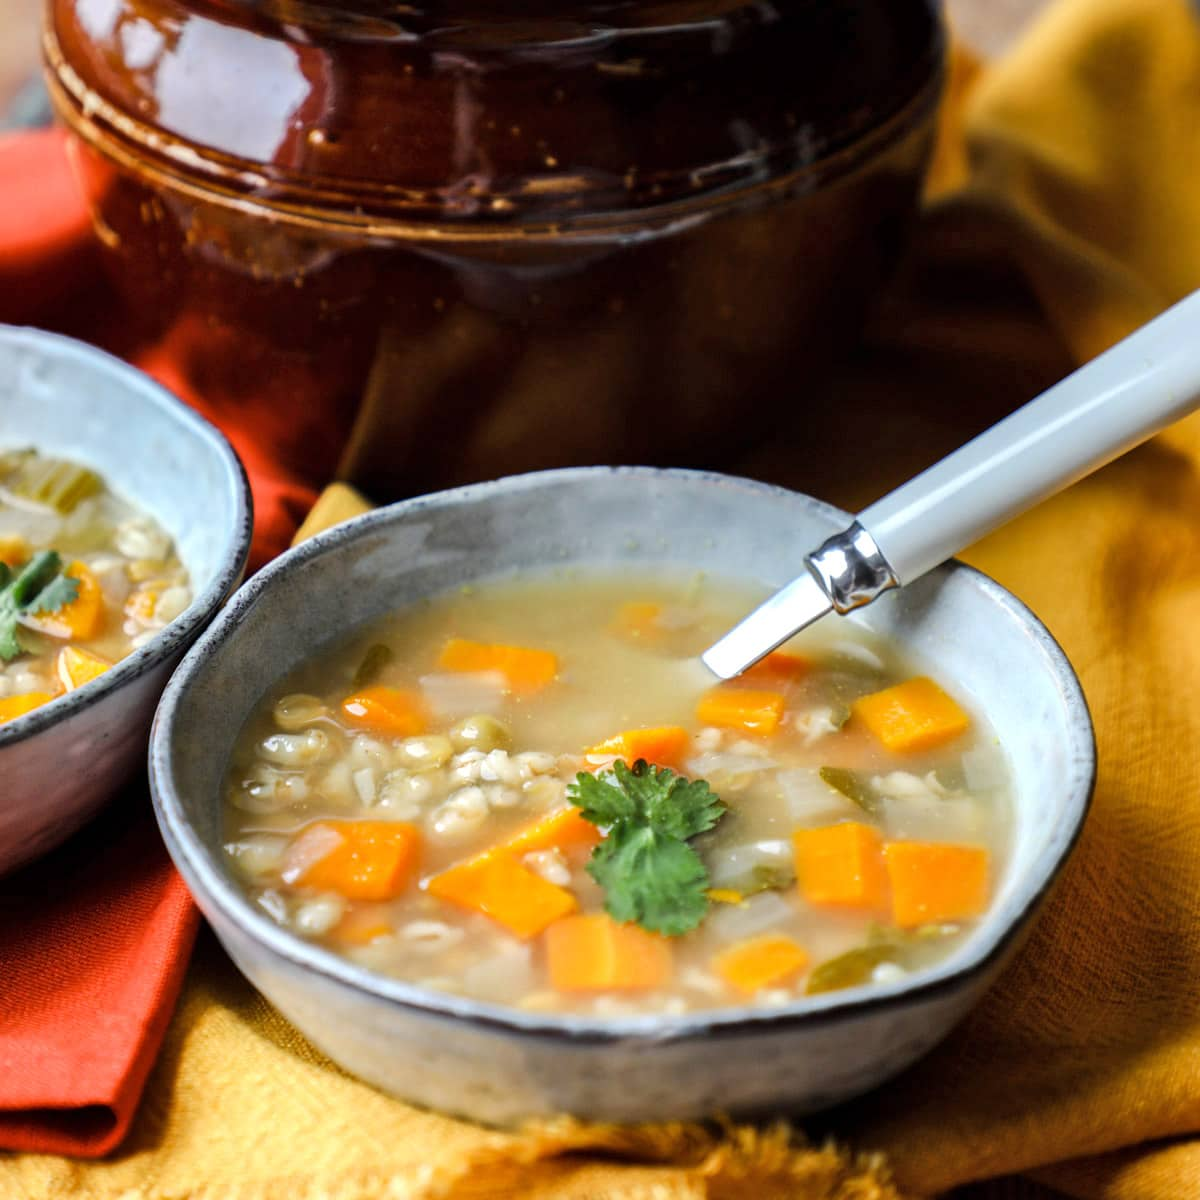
<point>454,797</point>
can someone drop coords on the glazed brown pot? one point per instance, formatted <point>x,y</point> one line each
<point>442,243</point>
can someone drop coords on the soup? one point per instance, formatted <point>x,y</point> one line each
<point>85,579</point>
<point>530,792</point>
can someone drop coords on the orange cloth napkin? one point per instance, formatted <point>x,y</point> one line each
<point>94,940</point>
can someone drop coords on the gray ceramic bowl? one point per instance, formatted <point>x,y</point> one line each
<point>60,763</point>
<point>499,1065</point>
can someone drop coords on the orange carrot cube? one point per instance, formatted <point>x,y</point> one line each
<point>371,860</point>
<point>934,882</point>
<point>760,962</point>
<point>912,716</point>
<point>741,708</point>
<point>841,866</point>
<point>502,888</point>
<point>525,669</point>
<point>593,952</point>
<point>386,710</point>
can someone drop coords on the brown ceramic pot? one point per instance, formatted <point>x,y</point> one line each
<point>442,242</point>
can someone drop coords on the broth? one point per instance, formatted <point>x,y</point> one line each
<point>479,763</point>
<point>111,578</point>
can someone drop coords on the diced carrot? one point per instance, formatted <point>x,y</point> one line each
<point>760,962</point>
<point>75,667</point>
<point>663,745</point>
<point>14,549</point>
<point>842,866</point>
<point>525,669</point>
<point>741,708</point>
<point>912,716</point>
<point>724,896</point>
<point>564,829</point>
<point>362,925</point>
<point>374,860</point>
<point>386,710</point>
<point>638,619</point>
<point>592,951</point>
<point>12,707</point>
<point>82,618</point>
<point>778,665</point>
<point>500,887</point>
<point>935,882</point>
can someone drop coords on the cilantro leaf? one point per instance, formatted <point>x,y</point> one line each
<point>38,587</point>
<point>649,873</point>
<point>601,800</point>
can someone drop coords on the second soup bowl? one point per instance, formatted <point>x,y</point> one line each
<point>501,1065</point>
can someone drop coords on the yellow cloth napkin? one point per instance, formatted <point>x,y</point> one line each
<point>1066,210</point>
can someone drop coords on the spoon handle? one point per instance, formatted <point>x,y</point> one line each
<point>1095,414</point>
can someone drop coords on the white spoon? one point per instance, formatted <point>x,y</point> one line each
<point>1107,407</point>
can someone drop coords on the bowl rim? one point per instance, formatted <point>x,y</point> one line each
<point>234,553</point>
<point>214,889</point>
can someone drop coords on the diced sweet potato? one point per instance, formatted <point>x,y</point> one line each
<point>386,710</point>
<point>760,962</point>
<point>82,618</point>
<point>563,829</point>
<point>934,882</point>
<point>663,745</point>
<point>525,669</point>
<point>747,709</point>
<point>841,866</point>
<point>75,667</point>
<point>502,888</point>
<point>912,716</point>
<point>12,707</point>
<point>593,952</point>
<point>372,860</point>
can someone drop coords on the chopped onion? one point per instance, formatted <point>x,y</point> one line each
<point>504,976</point>
<point>809,798</point>
<point>739,862</point>
<point>462,693</point>
<point>983,770</point>
<point>904,785</point>
<point>709,766</point>
<point>310,847</point>
<point>857,652</point>
<point>733,922</point>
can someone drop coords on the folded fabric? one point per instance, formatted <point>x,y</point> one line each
<point>94,940</point>
<point>1065,215</point>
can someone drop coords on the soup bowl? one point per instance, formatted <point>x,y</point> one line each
<point>61,762</point>
<point>500,1065</point>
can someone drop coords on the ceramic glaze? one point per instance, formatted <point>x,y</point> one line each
<point>61,763</point>
<point>499,1065</point>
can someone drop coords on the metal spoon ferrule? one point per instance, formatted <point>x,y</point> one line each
<point>851,569</point>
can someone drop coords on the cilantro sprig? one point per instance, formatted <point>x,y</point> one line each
<point>649,873</point>
<point>39,587</point>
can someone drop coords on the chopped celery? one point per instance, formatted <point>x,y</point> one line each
<point>373,663</point>
<point>850,969</point>
<point>50,482</point>
<point>850,786</point>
